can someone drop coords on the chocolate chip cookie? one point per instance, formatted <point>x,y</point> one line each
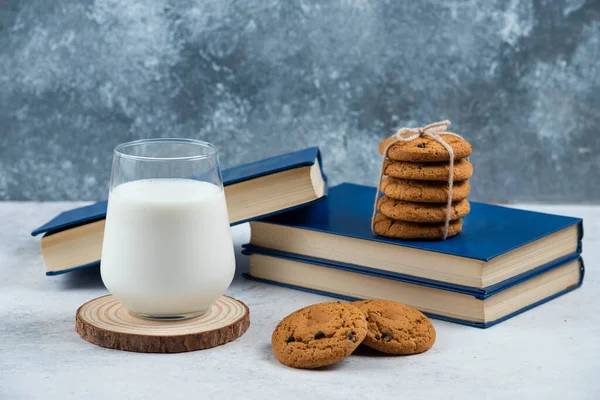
<point>392,228</point>
<point>424,191</point>
<point>318,335</point>
<point>463,170</point>
<point>421,212</point>
<point>396,328</point>
<point>425,149</point>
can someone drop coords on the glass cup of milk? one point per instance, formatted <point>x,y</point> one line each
<point>167,251</point>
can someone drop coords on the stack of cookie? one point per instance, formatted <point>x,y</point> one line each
<point>415,188</point>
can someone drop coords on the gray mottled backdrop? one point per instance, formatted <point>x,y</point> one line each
<point>519,79</point>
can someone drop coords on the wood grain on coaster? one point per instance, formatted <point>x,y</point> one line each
<point>105,322</point>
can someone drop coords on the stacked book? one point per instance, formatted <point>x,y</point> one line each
<point>505,261</point>
<point>307,236</point>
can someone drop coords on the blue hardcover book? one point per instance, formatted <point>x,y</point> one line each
<point>73,239</point>
<point>497,244</point>
<point>459,305</point>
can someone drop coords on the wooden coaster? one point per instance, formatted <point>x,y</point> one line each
<point>105,322</point>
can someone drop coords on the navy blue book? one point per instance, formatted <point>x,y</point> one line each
<point>498,245</point>
<point>73,239</point>
<point>458,304</point>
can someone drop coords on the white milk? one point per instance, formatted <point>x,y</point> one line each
<point>167,246</point>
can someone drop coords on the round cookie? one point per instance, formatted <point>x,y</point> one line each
<point>388,227</point>
<point>396,328</point>
<point>424,191</point>
<point>425,149</point>
<point>318,335</point>
<point>421,212</point>
<point>463,170</point>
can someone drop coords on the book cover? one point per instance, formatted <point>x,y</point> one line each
<point>420,282</point>
<point>489,231</point>
<point>478,293</point>
<point>272,165</point>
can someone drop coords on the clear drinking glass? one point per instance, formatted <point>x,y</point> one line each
<point>167,250</point>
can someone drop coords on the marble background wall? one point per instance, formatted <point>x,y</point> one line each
<point>519,79</point>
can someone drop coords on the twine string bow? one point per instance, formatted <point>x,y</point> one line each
<point>433,131</point>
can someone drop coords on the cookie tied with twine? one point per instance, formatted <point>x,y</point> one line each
<point>431,143</point>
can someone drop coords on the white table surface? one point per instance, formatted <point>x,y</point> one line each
<point>550,352</point>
